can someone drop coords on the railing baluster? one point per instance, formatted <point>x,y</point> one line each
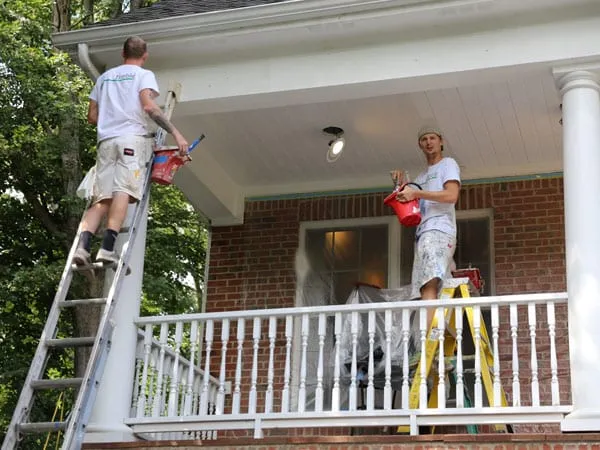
<point>285,395</point>
<point>477,341</point>
<point>319,388</point>
<point>423,328</point>
<point>495,338</point>
<point>165,383</point>
<point>441,325</point>
<point>152,380</point>
<point>172,401</point>
<point>141,405</point>
<point>237,390</point>
<point>553,358</point>
<point>304,348</point>
<point>387,388</point>
<point>335,394</point>
<point>460,378</point>
<point>187,409</point>
<point>405,358</point>
<point>224,343</point>
<point>139,362</point>
<point>535,387</point>
<point>252,402</point>
<point>352,392</point>
<point>164,328</point>
<point>514,327</point>
<point>208,339</point>
<point>271,370</point>
<point>371,363</point>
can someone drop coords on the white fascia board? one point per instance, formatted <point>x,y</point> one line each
<point>244,20</point>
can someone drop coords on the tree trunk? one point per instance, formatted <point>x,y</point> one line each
<point>88,12</point>
<point>61,15</point>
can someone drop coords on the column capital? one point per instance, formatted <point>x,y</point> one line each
<point>583,75</point>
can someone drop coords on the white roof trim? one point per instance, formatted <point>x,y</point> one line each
<point>243,20</point>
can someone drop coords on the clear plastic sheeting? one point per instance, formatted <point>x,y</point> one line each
<point>366,294</point>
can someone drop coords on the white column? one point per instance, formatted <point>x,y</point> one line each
<point>580,90</point>
<point>113,401</point>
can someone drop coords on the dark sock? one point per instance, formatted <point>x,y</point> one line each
<point>85,240</point>
<point>108,241</point>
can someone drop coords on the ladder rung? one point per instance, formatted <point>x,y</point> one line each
<point>80,302</point>
<point>41,427</point>
<point>91,267</point>
<point>59,383</point>
<point>122,230</point>
<point>71,342</point>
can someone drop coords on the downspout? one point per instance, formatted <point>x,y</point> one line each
<point>83,54</point>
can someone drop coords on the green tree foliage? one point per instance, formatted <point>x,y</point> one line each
<point>46,146</point>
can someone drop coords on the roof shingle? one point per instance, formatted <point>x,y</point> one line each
<point>173,8</point>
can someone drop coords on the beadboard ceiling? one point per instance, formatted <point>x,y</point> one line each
<point>506,128</point>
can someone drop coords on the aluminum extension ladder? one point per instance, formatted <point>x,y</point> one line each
<point>75,424</point>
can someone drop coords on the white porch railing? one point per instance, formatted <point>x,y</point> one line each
<point>300,367</point>
<point>168,385</point>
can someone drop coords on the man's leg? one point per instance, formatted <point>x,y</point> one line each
<point>116,217</point>
<point>89,224</point>
<point>429,291</point>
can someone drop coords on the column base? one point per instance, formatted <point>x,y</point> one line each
<point>96,432</point>
<point>581,420</point>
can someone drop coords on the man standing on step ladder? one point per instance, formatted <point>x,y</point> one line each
<point>436,234</point>
<point>120,102</point>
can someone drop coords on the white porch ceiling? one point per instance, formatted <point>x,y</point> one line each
<point>501,129</point>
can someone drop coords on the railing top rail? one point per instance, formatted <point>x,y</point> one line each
<point>400,304</point>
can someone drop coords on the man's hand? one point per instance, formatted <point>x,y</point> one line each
<point>397,176</point>
<point>182,143</point>
<point>407,194</point>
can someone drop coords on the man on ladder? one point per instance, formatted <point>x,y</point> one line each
<point>118,106</point>
<point>436,234</point>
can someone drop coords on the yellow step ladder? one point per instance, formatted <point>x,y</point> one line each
<point>445,334</point>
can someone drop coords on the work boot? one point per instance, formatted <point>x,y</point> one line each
<point>106,256</point>
<point>82,257</point>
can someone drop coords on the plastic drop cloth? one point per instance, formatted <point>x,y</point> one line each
<point>366,295</point>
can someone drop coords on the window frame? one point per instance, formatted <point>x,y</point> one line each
<point>393,225</point>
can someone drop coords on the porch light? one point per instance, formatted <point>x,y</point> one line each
<point>336,145</point>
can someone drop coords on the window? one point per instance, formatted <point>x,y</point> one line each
<point>342,257</point>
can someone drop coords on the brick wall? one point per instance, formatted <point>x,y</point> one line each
<point>252,265</point>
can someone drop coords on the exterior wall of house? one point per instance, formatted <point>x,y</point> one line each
<point>252,265</point>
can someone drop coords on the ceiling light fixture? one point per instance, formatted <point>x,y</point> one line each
<point>336,145</point>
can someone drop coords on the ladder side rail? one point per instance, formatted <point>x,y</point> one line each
<point>83,405</point>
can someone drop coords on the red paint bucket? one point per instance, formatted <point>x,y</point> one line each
<point>165,165</point>
<point>408,213</point>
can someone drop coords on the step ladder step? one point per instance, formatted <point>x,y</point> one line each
<point>41,427</point>
<point>82,302</point>
<point>71,342</point>
<point>59,383</point>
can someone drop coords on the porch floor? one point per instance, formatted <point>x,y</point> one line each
<point>494,441</point>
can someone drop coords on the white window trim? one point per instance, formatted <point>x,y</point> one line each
<point>484,213</point>
<point>393,274</point>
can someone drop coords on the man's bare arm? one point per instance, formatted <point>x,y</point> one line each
<point>154,111</point>
<point>156,114</point>
<point>92,115</point>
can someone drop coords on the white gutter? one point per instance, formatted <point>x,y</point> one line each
<point>83,54</point>
<point>240,20</point>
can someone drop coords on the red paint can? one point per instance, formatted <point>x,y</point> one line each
<point>408,213</point>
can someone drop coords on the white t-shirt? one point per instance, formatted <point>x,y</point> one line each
<point>120,110</point>
<point>436,215</point>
